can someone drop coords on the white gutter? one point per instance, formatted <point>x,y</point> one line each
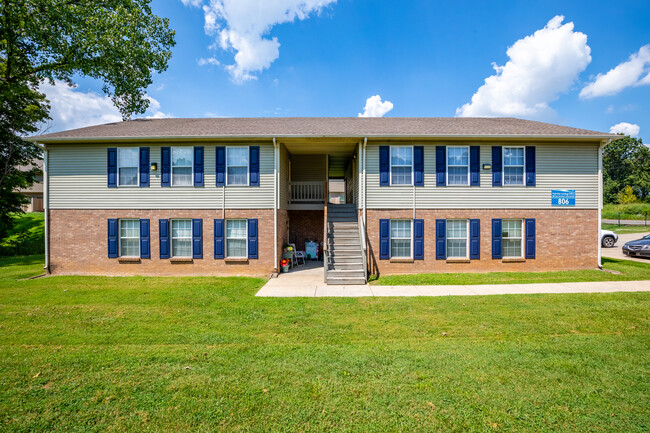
<point>276,155</point>
<point>46,206</point>
<point>600,200</point>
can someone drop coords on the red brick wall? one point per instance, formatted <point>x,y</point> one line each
<point>305,225</point>
<point>78,244</point>
<point>565,239</point>
<point>283,232</point>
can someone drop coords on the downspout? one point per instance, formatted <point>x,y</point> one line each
<point>275,204</point>
<point>600,200</point>
<point>365,201</point>
<point>46,206</point>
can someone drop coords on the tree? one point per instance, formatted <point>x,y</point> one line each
<point>119,42</point>
<point>626,161</point>
<point>626,195</point>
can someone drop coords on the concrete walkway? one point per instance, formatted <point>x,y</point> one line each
<point>307,281</point>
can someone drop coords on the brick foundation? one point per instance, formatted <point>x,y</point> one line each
<point>78,243</point>
<point>566,239</point>
<point>305,225</point>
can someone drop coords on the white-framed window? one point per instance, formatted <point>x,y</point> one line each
<point>457,239</point>
<point>181,238</point>
<point>182,166</point>
<point>236,238</point>
<point>237,165</point>
<point>401,240</point>
<point>512,235</point>
<point>128,166</point>
<point>401,165</point>
<point>129,238</point>
<point>514,161</point>
<point>457,165</point>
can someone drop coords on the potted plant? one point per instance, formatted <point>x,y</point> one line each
<point>284,265</point>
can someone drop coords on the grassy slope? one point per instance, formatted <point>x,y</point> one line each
<point>631,211</point>
<point>626,229</point>
<point>27,236</point>
<point>198,354</point>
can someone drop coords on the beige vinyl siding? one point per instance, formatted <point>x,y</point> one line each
<point>308,168</point>
<point>284,177</point>
<point>559,166</point>
<point>78,180</point>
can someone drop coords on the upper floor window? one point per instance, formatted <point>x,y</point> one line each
<point>512,236</point>
<point>182,238</point>
<point>236,238</point>
<point>457,165</point>
<point>401,165</point>
<point>182,166</point>
<point>128,164</point>
<point>513,165</point>
<point>400,238</point>
<point>237,163</point>
<point>457,238</point>
<point>129,238</point>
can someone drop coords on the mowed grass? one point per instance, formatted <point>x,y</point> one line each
<point>627,229</point>
<point>628,270</point>
<point>85,354</point>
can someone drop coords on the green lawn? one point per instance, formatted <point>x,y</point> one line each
<point>27,236</point>
<point>630,211</point>
<point>629,271</point>
<point>626,229</point>
<point>84,354</point>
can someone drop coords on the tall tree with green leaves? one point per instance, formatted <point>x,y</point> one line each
<point>626,161</point>
<point>118,42</point>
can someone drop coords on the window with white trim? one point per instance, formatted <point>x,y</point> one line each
<point>182,166</point>
<point>457,165</point>
<point>401,165</point>
<point>237,165</point>
<point>457,239</point>
<point>181,238</point>
<point>513,165</point>
<point>236,237</point>
<point>513,238</point>
<point>128,164</point>
<point>401,241</point>
<point>129,238</point>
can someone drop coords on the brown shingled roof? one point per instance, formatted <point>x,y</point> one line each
<point>267,127</point>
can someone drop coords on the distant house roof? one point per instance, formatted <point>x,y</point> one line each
<point>284,127</point>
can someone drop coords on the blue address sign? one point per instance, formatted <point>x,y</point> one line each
<point>563,197</point>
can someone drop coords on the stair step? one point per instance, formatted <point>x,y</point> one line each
<point>346,281</point>
<point>345,266</point>
<point>344,234</point>
<point>347,273</point>
<point>346,219</point>
<point>345,248</point>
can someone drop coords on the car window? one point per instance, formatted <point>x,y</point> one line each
<point>646,237</point>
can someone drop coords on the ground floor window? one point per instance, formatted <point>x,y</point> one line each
<point>457,238</point>
<point>129,238</point>
<point>182,238</point>
<point>512,235</point>
<point>236,238</point>
<point>400,238</point>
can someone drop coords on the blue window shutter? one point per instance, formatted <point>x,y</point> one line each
<point>441,239</point>
<point>218,239</point>
<point>145,245</point>
<point>163,232</point>
<point>198,165</point>
<point>441,166</point>
<point>144,166</point>
<point>384,239</point>
<point>497,162</point>
<point>112,238</point>
<point>254,165</point>
<point>530,238</point>
<point>475,165</point>
<point>221,165</point>
<point>530,166</point>
<point>197,238</point>
<point>384,165</point>
<point>165,166</point>
<point>418,165</point>
<point>497,241</point>
<point>475,239</point>
<point>111,169</point>
<point>252,238</point>
<point>418,239</point>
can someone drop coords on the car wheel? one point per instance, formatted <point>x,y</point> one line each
<point>608,241</point>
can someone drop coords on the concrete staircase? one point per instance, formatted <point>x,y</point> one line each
<point>345,259</point>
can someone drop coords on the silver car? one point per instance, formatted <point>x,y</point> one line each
<point>608,238</point>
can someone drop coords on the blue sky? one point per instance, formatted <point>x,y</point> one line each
<point>427,58</point>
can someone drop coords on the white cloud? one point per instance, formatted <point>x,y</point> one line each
<point>626,74</point>
<point>243,26</point>
<point>541,66</point>
<point>71,108</point>
<point>208,61</point>
<point>625,128</point>
<point>375,108</point>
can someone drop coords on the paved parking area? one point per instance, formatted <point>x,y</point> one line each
<point>617,251</point>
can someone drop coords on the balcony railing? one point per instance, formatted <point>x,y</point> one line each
<point>307,192</point>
